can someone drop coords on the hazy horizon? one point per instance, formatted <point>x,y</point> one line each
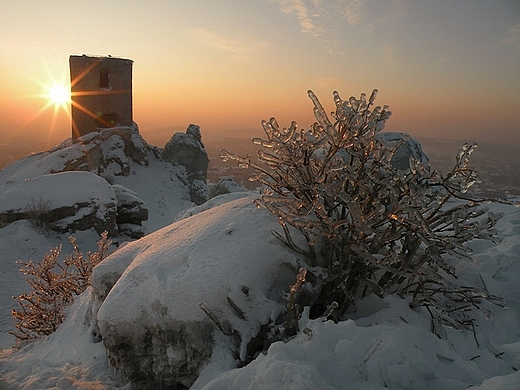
<point>159,137</point>
<point>446,69</point>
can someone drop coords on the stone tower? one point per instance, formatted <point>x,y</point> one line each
<point>101,93</point>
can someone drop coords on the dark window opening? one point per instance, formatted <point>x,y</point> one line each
<point>104,81</point>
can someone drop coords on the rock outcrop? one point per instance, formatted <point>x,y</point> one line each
<point>123,158</point>
<point>150,317</point>
<point>410,147</point>
<point>185,150</point>
<point>226,185</point>
<point>131,212</point>
<point>88,201</point>
<point>107,153</point>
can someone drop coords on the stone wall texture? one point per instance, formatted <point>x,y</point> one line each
<point>101,93</point>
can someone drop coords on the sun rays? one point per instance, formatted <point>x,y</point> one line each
<point>57,98</point>
<point>54,92</point>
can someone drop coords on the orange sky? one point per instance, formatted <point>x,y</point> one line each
<point>447,69</point>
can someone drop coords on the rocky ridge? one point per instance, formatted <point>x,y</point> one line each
<point>123,162</point>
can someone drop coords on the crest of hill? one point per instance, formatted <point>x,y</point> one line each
<point>119,157</point>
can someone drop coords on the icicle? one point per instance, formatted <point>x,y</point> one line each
<point>412,162</point>
<point>319,112</point>
<point>373,96</point>
<point>226,156</point>
<point>268,129</point>
<point>267,157</point>
<point>337,99</point>
<point>288,133</point>
<point>263,143</point>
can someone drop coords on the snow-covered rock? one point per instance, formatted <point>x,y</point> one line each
<point>186,150</point>
<point>383,345</point>
<point>108,153</point>
<point>411,147</point>
<point>150,319</point>
<point>65,202</point>
<point>131,212</point>
<point>225,185</point>
<point>122,157</point>
<point>194,131</point>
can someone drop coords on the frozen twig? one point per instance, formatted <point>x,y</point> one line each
<point>300,279</point>
<point>215,320</point>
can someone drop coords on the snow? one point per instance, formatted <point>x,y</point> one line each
<point>184,139</point>
<point>156,183</point>
<point>124,195</point>
<point>384,345</point>
<point>329,356</point>
<point>160,190</point>
<point>190,262</point>
<point>69,356</point>
<point>59,189</point>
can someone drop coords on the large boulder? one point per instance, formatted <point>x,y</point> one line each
<point>410,147</point>
<point>150,318</point>
<point>64,202</point>
<point>186,151</point>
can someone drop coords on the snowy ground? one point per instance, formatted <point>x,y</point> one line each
<point>385,345</point>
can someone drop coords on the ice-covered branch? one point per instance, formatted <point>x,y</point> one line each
<point>369,226</point>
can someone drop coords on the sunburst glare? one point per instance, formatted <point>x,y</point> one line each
<point>59,94</point>
<point>55,94</point>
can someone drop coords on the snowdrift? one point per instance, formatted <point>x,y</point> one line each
<point>210,254</point>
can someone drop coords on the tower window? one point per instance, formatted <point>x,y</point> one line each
<point>104,81</point>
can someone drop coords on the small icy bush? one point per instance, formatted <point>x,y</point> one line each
<point>37,210</point>
<point>367,226</point>
<point>54,285</point>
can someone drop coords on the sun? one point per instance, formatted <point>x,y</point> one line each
<point>55,96</point>
<point>58,95</point>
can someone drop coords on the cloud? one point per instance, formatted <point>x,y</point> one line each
<point>321,17</point>
<point>312,13</point>
<point>244,48</point>
<point>332,20</point>
<point>306,16</point>
<point>315,16</point>
<point>213,39</point>
<point>513,37</point>
<point>352,11</point>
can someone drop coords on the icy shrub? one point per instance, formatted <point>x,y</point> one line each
<point>53,287</point>
<point>364,225</point>
<point>37,211</point>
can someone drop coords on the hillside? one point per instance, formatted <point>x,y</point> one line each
<point>384,345</point>
<point>147,309</point>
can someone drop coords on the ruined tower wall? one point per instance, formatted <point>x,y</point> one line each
<point>101,93</point>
